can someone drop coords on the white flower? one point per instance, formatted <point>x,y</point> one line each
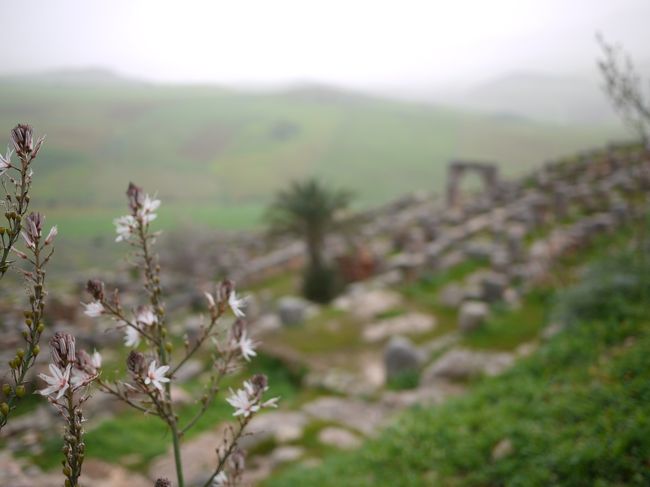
<point>78,378</point>
<point>96,360</point>
<point>210,298</point>
<point>5,162</point>
<point>244,404</point>
<point>124,227</point>
<point>145,316</point>
<point>131,337</point>
<point>54,231</point>
<point>93,309</point>
<point>58,382</point>
<point>236,304</point>
<point>156,376</point>
<point>247,347</point>
<point>28,240</point>
<point>220,480</point>
<point>271,403</point>
<point>149,205</point>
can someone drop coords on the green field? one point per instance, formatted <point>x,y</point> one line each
<point>216,156</point>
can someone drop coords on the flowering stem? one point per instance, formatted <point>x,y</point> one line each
<point>213,393</point>
<point>223,457</point>
<point>73,438</point>
<point>34,321</point>
<point>198,343</point>
<point>14,231</point>
<point>122,396</point>
<point>152,285</point>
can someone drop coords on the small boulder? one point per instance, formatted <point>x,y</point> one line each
<point>493,285</point>
<point>472,315</point>
<point>400,355</point>
<point>502,449</point>
<point>292,310</point>
<point>339,438</point>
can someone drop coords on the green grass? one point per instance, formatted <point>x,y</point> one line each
<point>331,330</point>
<point>505,328</point>
<point>425,291</point>
<point>575,413</point>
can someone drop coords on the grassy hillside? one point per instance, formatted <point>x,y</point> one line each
<point>573,414</point>
<point>220,155</point>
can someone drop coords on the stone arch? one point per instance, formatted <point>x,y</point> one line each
<point>488,172</point>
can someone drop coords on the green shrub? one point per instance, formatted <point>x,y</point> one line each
<point>614,288</point>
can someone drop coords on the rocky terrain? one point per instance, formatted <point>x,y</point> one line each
<point>429,278</point>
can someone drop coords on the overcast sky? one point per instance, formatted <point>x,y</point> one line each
<point>355,43</point>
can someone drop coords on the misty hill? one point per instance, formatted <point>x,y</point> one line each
<point>218,156</point>
<point>559,99</point>
<point>88,76</point>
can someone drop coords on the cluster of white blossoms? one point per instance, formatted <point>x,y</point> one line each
<point>143,212</point>
<point>248,400</point>
<point>69,369</point>
<point>240,337</point>
<point>144,316</point>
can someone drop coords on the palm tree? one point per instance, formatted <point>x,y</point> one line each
<point>308,209</point>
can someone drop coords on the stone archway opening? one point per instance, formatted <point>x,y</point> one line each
<point>488,172</point>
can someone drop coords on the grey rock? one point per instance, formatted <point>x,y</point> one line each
<point>493,285</point>
<point>339,438</point>
<point>462,364</point>
<point>472,315</point>
<point>292,310</point>
<point>400,355</point>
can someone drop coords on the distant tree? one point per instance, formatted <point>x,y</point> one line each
<point>308,210</point>
<point>624,88</point>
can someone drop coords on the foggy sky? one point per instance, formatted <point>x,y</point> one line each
<point>354,43</point>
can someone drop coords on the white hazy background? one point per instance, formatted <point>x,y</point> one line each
<point>395,47</point>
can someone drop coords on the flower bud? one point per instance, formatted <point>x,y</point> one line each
<point>260,384</point>
<point>238,460</point>
<point>20,391</point>
<point>238,329</point>
<point>6,389</point>
<point>225,288</point>
<point>95,288</point>
<point>85,362</point>
<point>135,196</point>
<point>40,327</point>
<point>135,363</point>
<point>36,350</point>
<point>54,231</point>
<point>22,137</point>
<point>163,483</point>
<point>62,348</point>
<point>4,409</point>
